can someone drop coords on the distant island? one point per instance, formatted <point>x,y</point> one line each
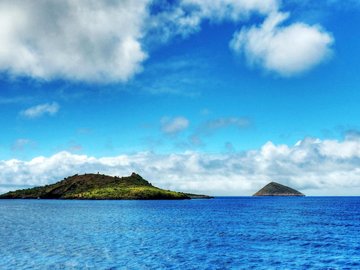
<point>276,189</point>
<point>101,187</point>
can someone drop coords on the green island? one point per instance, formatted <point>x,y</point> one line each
<point>101,187</point>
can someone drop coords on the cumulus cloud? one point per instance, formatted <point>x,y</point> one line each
<point>186,17</point>
<point>104,41</point>
<point>76,40</point>
<point>286,50</point>
<point>317,167</point>
<point>231,10</point>
<point>41,110</point>
<point>174,125</point>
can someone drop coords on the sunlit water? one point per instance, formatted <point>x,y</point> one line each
<point>223,233</point>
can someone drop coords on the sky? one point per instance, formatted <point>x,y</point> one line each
<point>215,97</point>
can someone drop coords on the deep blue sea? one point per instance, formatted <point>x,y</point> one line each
<point>223,233</point>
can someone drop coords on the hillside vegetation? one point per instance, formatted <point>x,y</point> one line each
<point>100,187</point>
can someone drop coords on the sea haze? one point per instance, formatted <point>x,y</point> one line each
<point>222,233</point>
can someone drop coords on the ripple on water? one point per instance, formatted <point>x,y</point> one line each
<point>224,233</point>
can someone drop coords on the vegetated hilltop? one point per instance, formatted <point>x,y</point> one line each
<point>100,187</point>
<point>276,189</point>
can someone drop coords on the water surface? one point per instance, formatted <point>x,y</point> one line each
<point>223,233</point>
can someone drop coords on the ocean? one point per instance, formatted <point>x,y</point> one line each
<point>221,233</point>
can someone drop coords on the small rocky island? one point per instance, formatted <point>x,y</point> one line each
<point>101,187</point>
<point>276,189</point>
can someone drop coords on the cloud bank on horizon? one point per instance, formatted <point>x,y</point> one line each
<point>314,166</point>
<point>107,41</point>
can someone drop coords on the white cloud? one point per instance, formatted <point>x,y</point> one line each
<point>186,17</point>
<point>174,125</point>
<point>41,110</point>
<point>284,49</point>
<point>313,166</point>
<point>287,50</point>
<point>76,40</point>
<point>230,9</point>
<point>104,41</point>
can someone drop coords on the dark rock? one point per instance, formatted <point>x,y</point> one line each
<point>276,189</point>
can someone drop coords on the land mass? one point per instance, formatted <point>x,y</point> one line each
<point>276,189</point>
<point>101,187</point>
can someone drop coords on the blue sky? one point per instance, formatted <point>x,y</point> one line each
<point>187,77</point>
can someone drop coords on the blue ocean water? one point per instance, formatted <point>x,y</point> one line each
<point>223,233</point>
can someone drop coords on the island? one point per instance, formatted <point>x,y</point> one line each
<point>101,187</point>
<point>276,189</point>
